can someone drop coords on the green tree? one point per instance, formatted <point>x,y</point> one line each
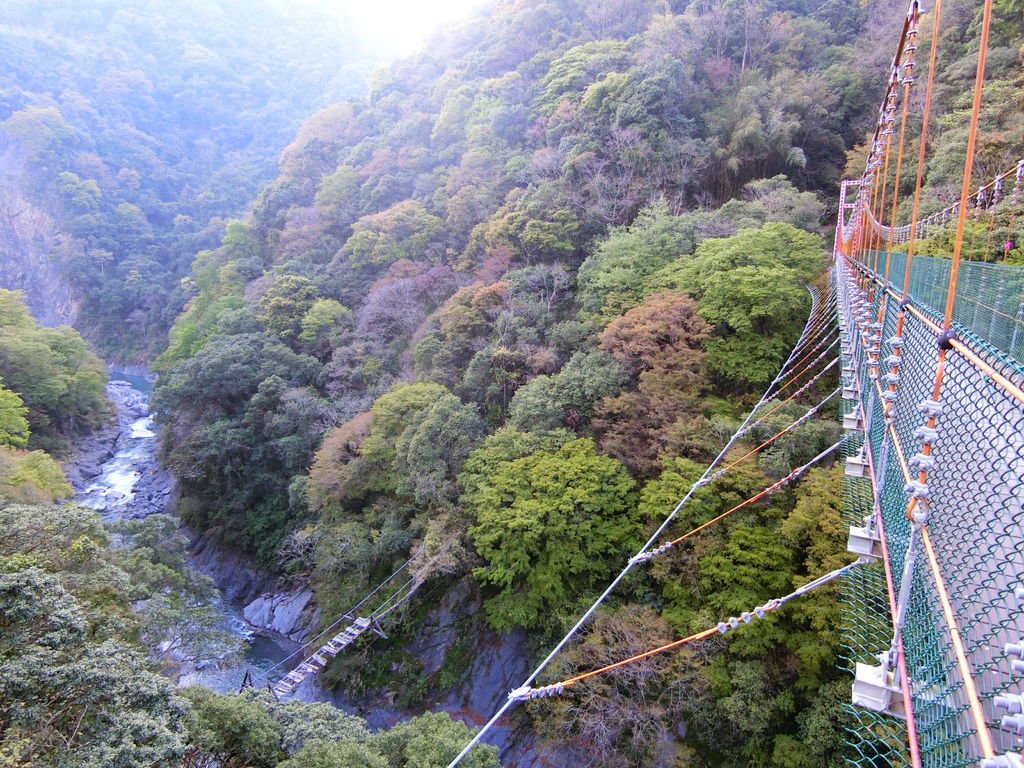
<point>821,740</point>
<point>535,223</point>
<point>13,424</point>
<point>776,245</point>
<point>285,304</point>
<point>31,477</point>
<point>611,280</point>
<point>393,413</point>
<point>431,740</point>
<point>241,422</point>
<point>83,196</point>
<point>253,730</point>
<point>234,731</point>
<point>304,723</point>
<point>60,382</point>
<point>815,528</point>
<point>323,319</point>
<point>761,310</point>
<point>404,231</point>
<point>322,754</point>
<point>549,525</point>
<point>42,129</point>
<point>576,68</point>
<point>660,495</point>
<point>502,446</point>
<point>815,525</point>
<point>430,453</point>
<point>567,398</point>
<point>751,568</point>
<point>69,698</point>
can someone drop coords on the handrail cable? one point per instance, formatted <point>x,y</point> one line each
<point>809,365</point>
<point>782,403</point>
<point>554,689</point>
<point>1012,389</point>
<point>768,491</point>
<point>334,625</point>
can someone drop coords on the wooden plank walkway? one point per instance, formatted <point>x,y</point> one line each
<point>319,658</point>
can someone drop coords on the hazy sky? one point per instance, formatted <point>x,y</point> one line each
<point>405,24</point>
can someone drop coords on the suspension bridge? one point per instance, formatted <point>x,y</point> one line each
<point>286,676</point>
<point>916,341</point>
<point>928,317</point>
<point>932,334</point>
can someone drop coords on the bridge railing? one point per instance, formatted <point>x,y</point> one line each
<point>966,562</point>
<point>989,298</point>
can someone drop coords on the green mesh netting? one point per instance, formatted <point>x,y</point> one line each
<point>976,487</point>
<point>989,297</point>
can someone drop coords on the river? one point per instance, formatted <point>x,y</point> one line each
<point>125,481</point>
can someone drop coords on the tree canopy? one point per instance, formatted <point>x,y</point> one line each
<point>549,524</point>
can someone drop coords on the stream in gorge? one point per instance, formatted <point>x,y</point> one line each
<point>118,474</point>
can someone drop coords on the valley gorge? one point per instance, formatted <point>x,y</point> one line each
<point>489,386</point>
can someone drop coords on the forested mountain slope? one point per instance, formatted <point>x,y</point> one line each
<point>510,303</point>
<point>496,316</point>
<point>55,382</point>
<point>434,230</point>
<point>128,130</point>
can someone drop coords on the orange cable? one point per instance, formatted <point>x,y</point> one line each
<point>875,239</point>
<point>950,618</point>
<point>922,154</point>
<point>781,403</point>
<point>965,670</point>
<point>969,355</point>
<point>807,367</point>
<point>965,188</point>
<point>769,441</point>
<point>977,713</point>
<point>756,497</point>
<point>951,623</point>
<point>721,628</point>
<point>641,656</point>
<point>904,111</point>
<point>804,358</point>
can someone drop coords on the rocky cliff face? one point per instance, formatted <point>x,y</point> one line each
<point>495,663</point>
<point>237,577</point>
<point>28,237</point>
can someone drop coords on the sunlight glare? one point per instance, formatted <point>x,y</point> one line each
<point>404,26</point>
